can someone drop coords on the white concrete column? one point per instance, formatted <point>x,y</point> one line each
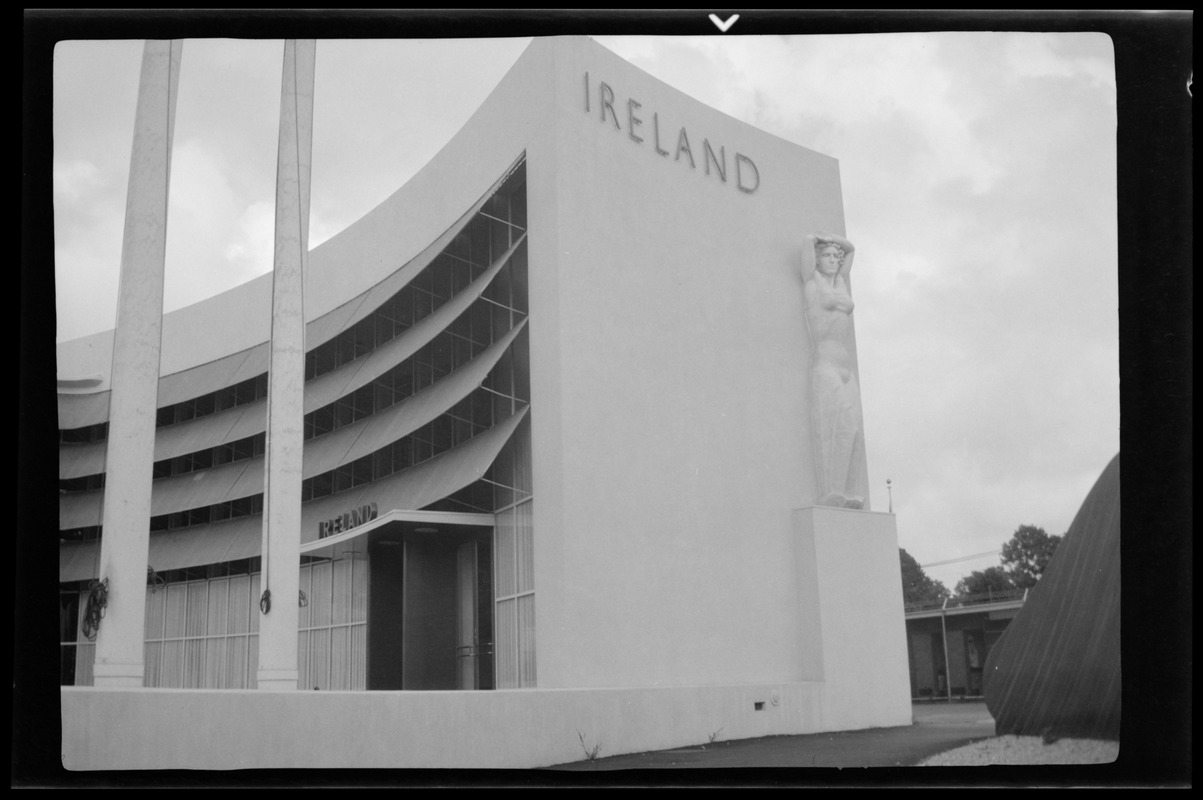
<point>129,460</point>
<point>286,376</point>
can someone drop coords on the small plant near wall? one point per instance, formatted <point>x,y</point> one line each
<point>714,735</point>
<point>98,601</point>
<point>590,755</point>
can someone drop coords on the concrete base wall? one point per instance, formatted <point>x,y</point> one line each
<point>850,587</point>
<point>122,729</point>
<point>853,674</point>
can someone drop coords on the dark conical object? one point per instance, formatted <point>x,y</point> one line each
<point>1056,670</point>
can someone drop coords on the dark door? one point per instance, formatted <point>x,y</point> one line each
<point>430,612</point>
<point>429,630</point>
<point>386,608</point>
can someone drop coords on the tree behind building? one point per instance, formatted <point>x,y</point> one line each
<point>984,582</point>
<point>1026,555</point>
<point>917,586</point>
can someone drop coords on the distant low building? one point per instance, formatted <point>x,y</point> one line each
<point>947,641</point>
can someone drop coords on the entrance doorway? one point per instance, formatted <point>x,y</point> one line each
<point>430,618</point>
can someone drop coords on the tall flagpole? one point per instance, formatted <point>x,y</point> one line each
<point>286,376</point>
<point>116,610</point>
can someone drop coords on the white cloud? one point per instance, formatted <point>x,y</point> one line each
<point>89,220</point>
<point>978,175</point>
<point>321,228</point>
<point>205,219</point>
<point>252,250</point>
<point>1044,54</point>
<point>75,180</point>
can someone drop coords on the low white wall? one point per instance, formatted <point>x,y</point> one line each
<point>196,729</point>
<point>853,674</point>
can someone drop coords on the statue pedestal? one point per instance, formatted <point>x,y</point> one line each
<point>853,635</point>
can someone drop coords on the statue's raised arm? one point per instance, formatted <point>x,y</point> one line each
<point>814,243</point>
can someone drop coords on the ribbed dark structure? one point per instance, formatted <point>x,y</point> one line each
<point>1056,670</point>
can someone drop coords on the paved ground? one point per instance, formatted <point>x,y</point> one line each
<point>937,727</point>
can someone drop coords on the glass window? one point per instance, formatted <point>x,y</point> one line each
<point>382,463</point>
<point>345,348</point>
<point>323,420</point>
<point>482,410</point>
<point>517,270</point>
<point>459,246</point>
<point>442,356</point>
<point>461,275</point>
<point>423,305</point>
<point>384,325</point>
<point>344,413</point>
<point>365,335</point>
<point>403,382</point>
<point>240,507</point>
<point>500,233</point>
<point>518,207</point>
<point>514,630</point>
<point>422,447</point>
<point>342,478</point>
<point>202,459</point>
<point>382,393</point>
<point>442,434</point>
<point>325,358</point>
<point>361,471</point>
<point>223,399</point>
<point>403,456</point>
<point>206,404</point>
<point>462,431</point>
<point>442,279</point>
<point>403,310</point>
<point>478,231</point>
<point>482,323</point>
<point>499,289</point>
<point>362,400</point>
<point>499,379</point>
<point>323,485</point>
<point>423,374</point>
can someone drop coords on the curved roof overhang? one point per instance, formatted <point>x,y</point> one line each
<point>86,402</point>
<point>236,423</point>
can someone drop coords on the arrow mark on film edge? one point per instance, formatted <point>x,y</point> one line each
<point>724,26</point>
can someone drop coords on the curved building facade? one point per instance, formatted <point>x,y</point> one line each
<point>416,398</point>
<point>556,440</point>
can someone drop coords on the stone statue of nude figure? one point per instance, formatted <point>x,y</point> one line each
<point>835,392</point>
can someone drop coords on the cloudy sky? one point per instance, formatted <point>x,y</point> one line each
<point>979,181</point>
